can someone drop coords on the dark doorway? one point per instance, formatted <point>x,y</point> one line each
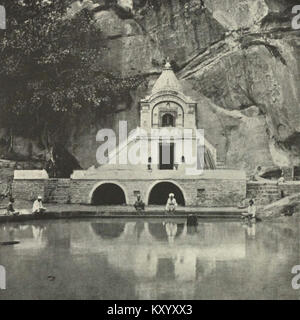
<point>168,120</point>
<point>166,156</point>
<point>108,194</point>
<point>160,193</point>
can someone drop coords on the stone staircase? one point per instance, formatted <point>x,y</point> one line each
<point>264,193</point>
<point>58,191</point>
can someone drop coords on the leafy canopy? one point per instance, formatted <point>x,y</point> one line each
<point>48,66</point>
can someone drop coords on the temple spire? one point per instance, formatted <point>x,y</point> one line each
<point>167,80</point>
<point>168,64</point>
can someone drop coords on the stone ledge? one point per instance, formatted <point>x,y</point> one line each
<point>31,175</point>
<point>234,175</point>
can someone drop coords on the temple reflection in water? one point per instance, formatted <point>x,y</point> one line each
<point>115,259</point>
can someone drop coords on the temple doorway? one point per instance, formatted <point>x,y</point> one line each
<point>166,156</point>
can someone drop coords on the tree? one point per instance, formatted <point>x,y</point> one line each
<point>48,70</point>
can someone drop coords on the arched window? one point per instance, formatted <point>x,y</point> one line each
<point>168,120</point>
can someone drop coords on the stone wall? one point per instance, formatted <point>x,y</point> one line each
<point>58,191</point>
<point>290,187</point>
<point>215,193</point>
<point>265,193</point>
<point>262,192</point>
<point>205,193</point>
<point>29,189</point>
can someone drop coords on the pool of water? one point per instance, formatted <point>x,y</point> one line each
<point>149,259</point>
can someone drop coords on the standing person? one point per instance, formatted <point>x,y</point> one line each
<point>251,212</point>
<point>139,205</point>
<point>10,207</point>
<point>171,203</point>
<point>38,206</point>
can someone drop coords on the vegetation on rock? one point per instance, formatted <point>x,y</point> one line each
<point>48,72</point>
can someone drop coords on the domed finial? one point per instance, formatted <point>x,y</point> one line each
<point>168,64</point>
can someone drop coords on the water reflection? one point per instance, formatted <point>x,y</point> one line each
<point>150,260</point>
<point>250,228</point>
<point>108,231</point>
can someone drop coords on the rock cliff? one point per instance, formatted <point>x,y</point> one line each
<point>239,59</point>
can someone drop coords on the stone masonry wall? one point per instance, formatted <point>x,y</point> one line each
<point>265,193</point>
<point>289,188</point>
<point>29,189</point>
<point>204,193</point>
<point>58,191</point>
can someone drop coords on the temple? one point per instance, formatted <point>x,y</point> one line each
<point>166,153</point>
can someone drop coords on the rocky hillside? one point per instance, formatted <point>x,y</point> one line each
<point>239,59</point>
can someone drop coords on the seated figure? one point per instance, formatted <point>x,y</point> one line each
<point>38,206</point>
<point>171,203</point>
<point>139,205</point>
<point>251,212</point>
<point>10,208</point>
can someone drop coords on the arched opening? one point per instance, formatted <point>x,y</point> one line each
<point>108,194</point>
<point>168,120</point>
<point>160,193</point>
<point>108,231</point>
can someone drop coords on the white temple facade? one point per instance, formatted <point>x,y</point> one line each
<point>167,153</point>
<point>168,149</point>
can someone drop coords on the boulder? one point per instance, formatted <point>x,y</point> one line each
<point>286,206</point>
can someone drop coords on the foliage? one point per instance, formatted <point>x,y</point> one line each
<point>49,68</point>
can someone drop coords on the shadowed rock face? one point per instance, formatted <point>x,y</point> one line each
<point>239,59</point>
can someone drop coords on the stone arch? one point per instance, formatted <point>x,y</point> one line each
<point>166,186</point>
<point>175,114</point>
<point>109,187</point>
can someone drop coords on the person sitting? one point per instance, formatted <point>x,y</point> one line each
<point>38,206</point>
<point>139,204</point>
<point>171,203</point>
<point>10,208</point>
<point>251,212</point>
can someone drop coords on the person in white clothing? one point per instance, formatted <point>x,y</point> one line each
<point>38,206</point>
<point>251,212</point>
<point>171,203</point>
